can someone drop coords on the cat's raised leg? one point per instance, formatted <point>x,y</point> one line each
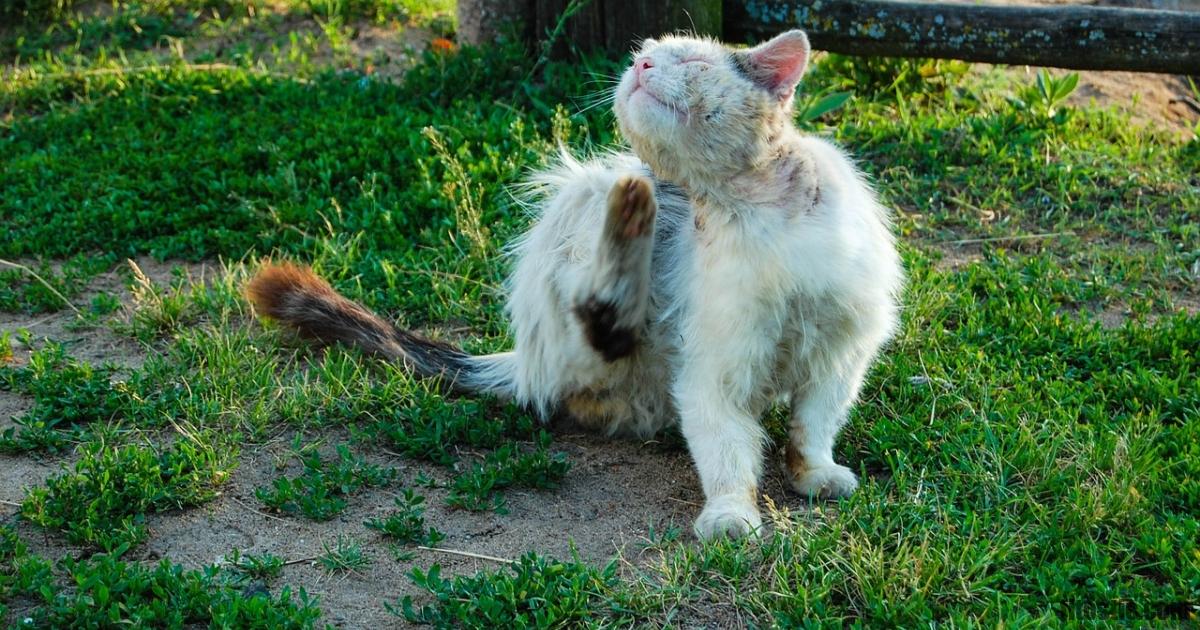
<point>818,413</point>
<point>612,304</point>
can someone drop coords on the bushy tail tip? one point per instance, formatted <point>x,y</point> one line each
<point>299,299</point>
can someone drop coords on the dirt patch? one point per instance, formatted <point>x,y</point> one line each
<point>93,344</point>
<point>389,52</point>
<point>954,258</point>
<point>1158,99</point>
<point>613,494</point>
<point>383,51</point>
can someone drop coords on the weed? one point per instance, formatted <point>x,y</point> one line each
<point>33,10</point>
<point>532,592</point>
<point>813,107</point>
<point>156,311</point>
<point>246,568</point>
<point>113,593</point>
<point>104,304</point>
<point>21,573</point>
<point>429,427</point>
<point>46,289</point>
<point>466,197</point>
<point>67,396</point>
<point>478,488</point>
<point>407,524</point>
<point>6,350</point>
<point>1047,93</point>
<point>103,501</point>
<point>319,493</point>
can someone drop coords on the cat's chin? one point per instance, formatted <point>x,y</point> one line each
<point>646,94</point>
<point>652,111</point>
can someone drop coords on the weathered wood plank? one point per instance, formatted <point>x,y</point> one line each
<point>1079,37</point>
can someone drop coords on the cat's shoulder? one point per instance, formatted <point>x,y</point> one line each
<point>826,152</point>
<point>836,170</point>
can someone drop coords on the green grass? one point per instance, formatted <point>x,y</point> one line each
<point>1029,445</point>
<point>343,556</point>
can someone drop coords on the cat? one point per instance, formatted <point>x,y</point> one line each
<point>727,263</point>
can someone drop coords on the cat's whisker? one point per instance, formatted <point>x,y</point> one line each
<point>603,79</point>
<point>596,99</point>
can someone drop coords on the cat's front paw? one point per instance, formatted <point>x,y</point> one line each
<point>825,482</point>
<point>730,515</point>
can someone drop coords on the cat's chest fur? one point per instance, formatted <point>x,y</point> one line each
<point>746,307</point>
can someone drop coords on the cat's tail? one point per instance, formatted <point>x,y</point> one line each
<point>298,298</point>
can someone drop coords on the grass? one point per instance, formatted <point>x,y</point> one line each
<point>532,592</point>
<point>67,395</point>
<point>344,556</point>
<point>507,466</point>
<point>1029,445</point>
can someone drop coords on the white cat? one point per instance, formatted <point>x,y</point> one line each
<point>728,263</point>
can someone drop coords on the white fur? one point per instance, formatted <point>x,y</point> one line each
<point>774,275</point>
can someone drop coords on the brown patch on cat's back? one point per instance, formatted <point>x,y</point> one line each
<point>596,409</point>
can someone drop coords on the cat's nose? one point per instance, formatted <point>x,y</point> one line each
<point>641,65</point>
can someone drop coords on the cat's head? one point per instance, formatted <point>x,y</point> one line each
<point>690,106</point>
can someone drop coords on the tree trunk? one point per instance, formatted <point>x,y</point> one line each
<point>617,26</point>
<point>1081,37</point>
<point>488,21</point>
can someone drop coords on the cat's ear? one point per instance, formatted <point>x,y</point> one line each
<point>778,64</point>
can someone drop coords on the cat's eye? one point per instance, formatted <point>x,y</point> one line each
<point>699,60</point>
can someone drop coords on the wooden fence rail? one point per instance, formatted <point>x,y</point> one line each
<point>1079,37</point>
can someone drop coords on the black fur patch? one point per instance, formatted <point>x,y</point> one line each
<point>599,321</point>
<point>742,66</point>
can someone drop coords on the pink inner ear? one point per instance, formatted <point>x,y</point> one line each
<point>782,61</point>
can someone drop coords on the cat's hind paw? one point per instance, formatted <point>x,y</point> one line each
<point>631,208</point>
<point>825,482</point>
<point>731,515</point>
